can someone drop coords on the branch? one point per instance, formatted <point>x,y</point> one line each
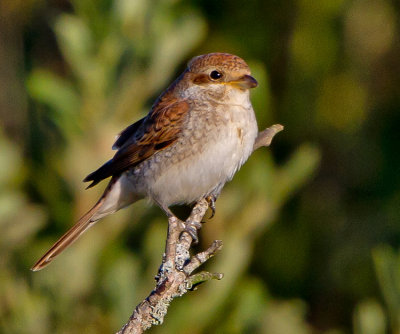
<point>175,276</point>
<point>264,138</point>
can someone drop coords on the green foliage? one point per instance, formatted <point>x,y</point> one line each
<point>387,266</point>
<point>305,230</point>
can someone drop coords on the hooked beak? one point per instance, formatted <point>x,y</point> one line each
<point>245,82</point>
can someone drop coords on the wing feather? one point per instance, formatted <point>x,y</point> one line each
<point>127,133</point>
<point>158,130</point>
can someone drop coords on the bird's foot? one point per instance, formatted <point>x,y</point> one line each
<point>191,228</point>
<point>211,203</point>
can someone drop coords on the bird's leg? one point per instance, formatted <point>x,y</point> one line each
<point>211,203</point>
<point>193,222</point>
<point>190,226</point>
<point>168,212</point>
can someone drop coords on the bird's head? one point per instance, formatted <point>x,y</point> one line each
<point>219,75</point>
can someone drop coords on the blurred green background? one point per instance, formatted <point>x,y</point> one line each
<point>310,226</point>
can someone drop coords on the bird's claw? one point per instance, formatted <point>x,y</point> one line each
<point>191,228</point>
<point>211,203</point>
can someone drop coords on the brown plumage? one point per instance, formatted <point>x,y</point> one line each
<point>156,131</point>
<point>185,149</point>
<point>159,129</point>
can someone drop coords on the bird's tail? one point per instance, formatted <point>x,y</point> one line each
<point>86,221</point>
<point>117,195</point>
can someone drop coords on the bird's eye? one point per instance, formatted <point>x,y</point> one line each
<point>215,75</point>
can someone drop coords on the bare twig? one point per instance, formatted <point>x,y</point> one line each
<point>264,138</point>
<point>175,276</point>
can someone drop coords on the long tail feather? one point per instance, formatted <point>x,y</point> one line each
<point>69,237</point>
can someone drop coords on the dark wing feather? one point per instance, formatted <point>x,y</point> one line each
<point>127,134</point>
<point>159,129</point>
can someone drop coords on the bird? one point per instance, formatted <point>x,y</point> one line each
<point>197,134</point>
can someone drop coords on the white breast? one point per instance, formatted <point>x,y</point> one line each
<point>211,165</point>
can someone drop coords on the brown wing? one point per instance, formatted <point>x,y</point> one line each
<point>159,129</point>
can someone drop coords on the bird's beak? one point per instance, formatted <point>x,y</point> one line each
<point>245,82</point>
